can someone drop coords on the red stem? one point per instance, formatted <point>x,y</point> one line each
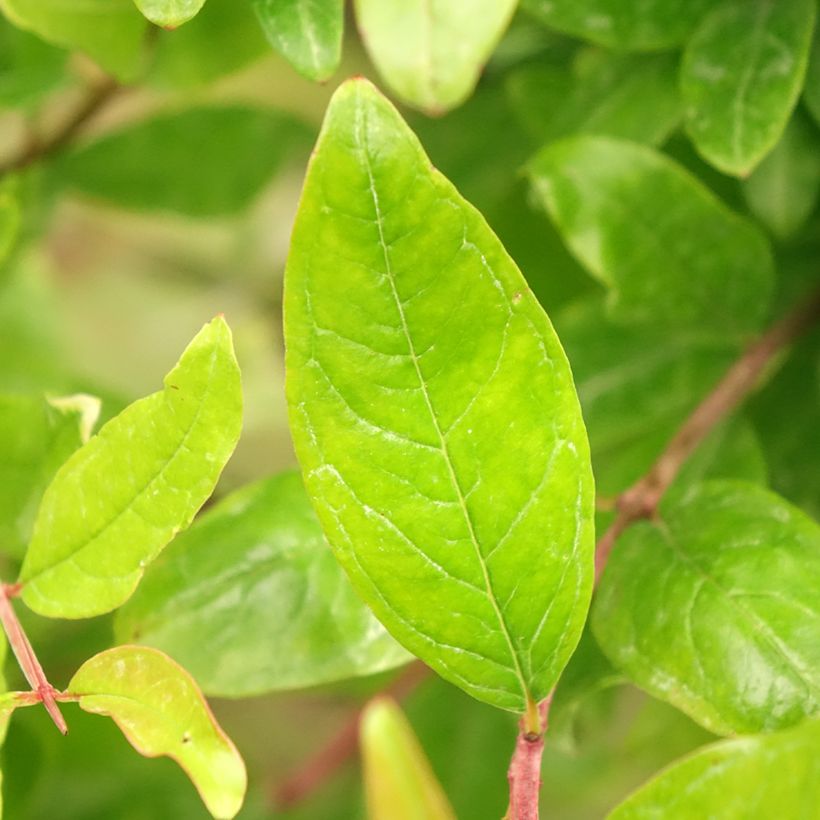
<point>524,773</point>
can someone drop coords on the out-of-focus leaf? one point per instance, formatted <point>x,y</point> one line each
<point>775,775</point>
<point>619,95</point>
<point>741,75</point>
<point>9,220</point>
<point>307,33</point>
<point>251,600</point>
<point>202,162</point>
<point>169,13</point>
<point>109,31</point>
<point>435,417</point>
<point>811,94</point>
<point>36,436</point>
<point>431,52</point>
<point>399,782</point>
<point>642,225</point>
<point>29,67</point>
<point>715,608</point>
<point>122,497</point>
<point>161,711</point>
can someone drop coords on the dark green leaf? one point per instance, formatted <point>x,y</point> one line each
<point>812,91</point>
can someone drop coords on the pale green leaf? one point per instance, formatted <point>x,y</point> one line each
<point>307,33</point>
<point>767,776</point>
<point>431,52</point>
<point>741,75</point>
<point>434,414</point>
<point>640,224</point>
<point>299,623</point>
<point>161,711</point>
<point>623,24</point>
<point>715,608</point>
<point>169,13</point>
<point>29,68</point>
<point>122,497</point>
<point>399,782</point>
<point>109,31</point>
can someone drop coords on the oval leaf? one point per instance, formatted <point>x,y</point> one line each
<point>169,13</point>
<point>739,97</point>
<point>434,414</point>
<point>161,711</point>
<point>123,496</point>
<point>411,43</point>
<point>251,600</point>
<point>640,223</point>
<point>715,609</point>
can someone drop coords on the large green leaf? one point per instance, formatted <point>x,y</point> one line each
<point>307,33</point>
<point>123,496</point>
<point>29,68</point>
<point>201,162</point>
<point>251,600</point>
<point>431,52</point>
<point>715,608</point>
<point>626,26</point>
<point>767,776</point>
<point>169,13</point>
<point>109,31</point>
<point>36,436</point>
<point>434,414</point>
<point>741,76</point>
<point>641,224</point>
<point>161,711</point>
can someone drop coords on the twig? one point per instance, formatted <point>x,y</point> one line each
<point>524,773</point>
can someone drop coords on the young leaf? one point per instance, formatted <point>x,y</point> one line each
<point>399,782</point>
<point>307,33</point>
<point>251,600</point>
<point>161,711</point>
<point>741,75</point>
<point>774,775</point>
<point>715,608</point>
<point>169,13</point>
<point>109,31</point>
<point>122,497</point>
<point>434,416</point>
<point>158,164</point>
<point>411,42</point>
<point>640,224</point>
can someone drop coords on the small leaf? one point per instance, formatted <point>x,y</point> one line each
<point>299,623</point>
<point>775,775</point>
<point>307,33</point>
<point>159,708</point>
<point>739,96</point>
<point>639,223</point>
<point>434,417</point>
<point>715,608</point>
<point>169,13</point>
<point>411,44</point>
<point>122,497</point>
<point>399,782</point>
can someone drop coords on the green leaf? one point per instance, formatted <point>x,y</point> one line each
<point>9,221</point>
<point>36,436</point>
<point>811,93</point>
<point>29,68</point>
<point>122,497</point>
<point>159,708</point>
<point>715,608</point>
<point>169,13</point>
<point>399,782</point>
<point>307,33</point>
<point>158,164</point>
<point>783,190</point>
<point>601,92</point>
<point>626,26</point>
<point>434,415</point>
<point>299,624</point>
<point>411,43</point>
<point>774,775</point>
<point>741,76</point>
<point>640,224</point>
<point>109,31</point>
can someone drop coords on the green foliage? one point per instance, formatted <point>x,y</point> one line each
<point>169,13</point>
<point>29,67</point>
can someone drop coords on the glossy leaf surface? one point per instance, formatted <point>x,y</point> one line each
<point>715,609</point>
<point>169,13</point>
<point>250,599</point>
<point>639,223</point>
<point>435,416</point>
<point>159,708</point>
<point>431,52</point>
<point>739,98</point>
<point>122,497</point>
<point>307,33</point>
